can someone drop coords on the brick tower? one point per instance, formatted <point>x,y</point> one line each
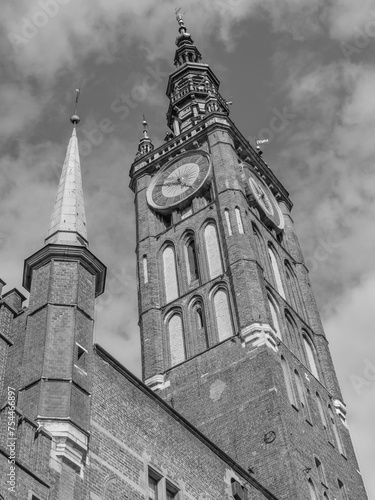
<point>231,335</point>
<point>63,278</point>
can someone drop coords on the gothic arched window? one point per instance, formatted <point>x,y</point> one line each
<point>191,261</point>
<point>215,266</point>
<point>227,219</point>
<point>275,315</point>
<point>222,314</point>
<point>334,430</point>
<point>199,326</point>
<point>300,390</point>
<point>276,271</point>
<point>239,220</point>
<point>308,345</point>
<point>145,269</point>
<point>292,329</point>
<point>170,274</point>
<point>288,381</point>
<point>312,490</point>
<point>321,411</point>
<point>176,339</point>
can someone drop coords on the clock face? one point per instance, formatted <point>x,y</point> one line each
<point>179,180</point>
<point>261,195</point>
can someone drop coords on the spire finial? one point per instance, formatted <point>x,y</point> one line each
<point>75,118</point>
<point>145,144</point>
<point>145,128</point>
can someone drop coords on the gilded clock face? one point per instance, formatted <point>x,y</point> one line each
<point>179,180</point>
<point>264,199</point>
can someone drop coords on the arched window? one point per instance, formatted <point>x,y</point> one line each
<point>276,271</point>
<point>145,269</point>
<point>334,430</point>
<point>176,339</point>
<point>222,315</point>
<point>275,315</point>
<point>170,274</point>
<point>292,332</point>
<point>307,343</point>
<point>288,381</point>
<point>191,261</point>
<point>300,390</point>
<point>321,411</point>
<point>320,470</point>
<point>342,490</point>
<point>291,285</point>
<point>239,220</point>
<point>312,490</point>
<point>215,267</point>
<point>259,245</point>
<point>199,326</point>
<point>227,219</point>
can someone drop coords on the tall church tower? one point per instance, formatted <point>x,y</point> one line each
<point>231,336</point>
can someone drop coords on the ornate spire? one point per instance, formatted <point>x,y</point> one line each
<point>186,51</point>
<point>193,88</point>
<point>68,220</point>
<point>145,144</point>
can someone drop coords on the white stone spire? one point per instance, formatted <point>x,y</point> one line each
<point>68,220</point>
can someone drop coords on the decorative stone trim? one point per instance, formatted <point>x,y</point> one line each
<point>157,382</point>
<point>258,334</point>
<point>69,445</point>
<point>340,408</point>
<point>66,253</point>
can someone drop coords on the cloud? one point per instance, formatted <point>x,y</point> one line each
<point>347,19</point>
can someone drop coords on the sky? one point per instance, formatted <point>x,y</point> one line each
<point>299,72</point>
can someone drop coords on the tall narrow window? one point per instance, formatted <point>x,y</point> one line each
<point>259,245</point>
<point>215,267</point>
<point>320,470</point>
<point>342,490</point>
<point>334,430</point>
<point>223,315</point>
<point>170,274</point>
<point>192,262</point>
<point>176,340</point>
<point>276,271</point>
<point>152,488</point>
<point>274,315</point>
<point>199,326</point>
<point>321,411</point>
<point>288,381</point>
<point>227,219</point>
<point>145,269</point>
<point>291,284</point>
<point>312,490</point>
<point>301,392</point>
<point>310,355</point>
<point>239,220</point>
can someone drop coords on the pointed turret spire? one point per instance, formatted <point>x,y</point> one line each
<point>145,144</point>
<point>68,220</point>
<point>193,88</point>
<point>186,51</point>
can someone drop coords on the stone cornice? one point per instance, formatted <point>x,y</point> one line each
<point>67,253</point>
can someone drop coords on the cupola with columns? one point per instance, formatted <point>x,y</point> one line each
<point>193,89</point>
